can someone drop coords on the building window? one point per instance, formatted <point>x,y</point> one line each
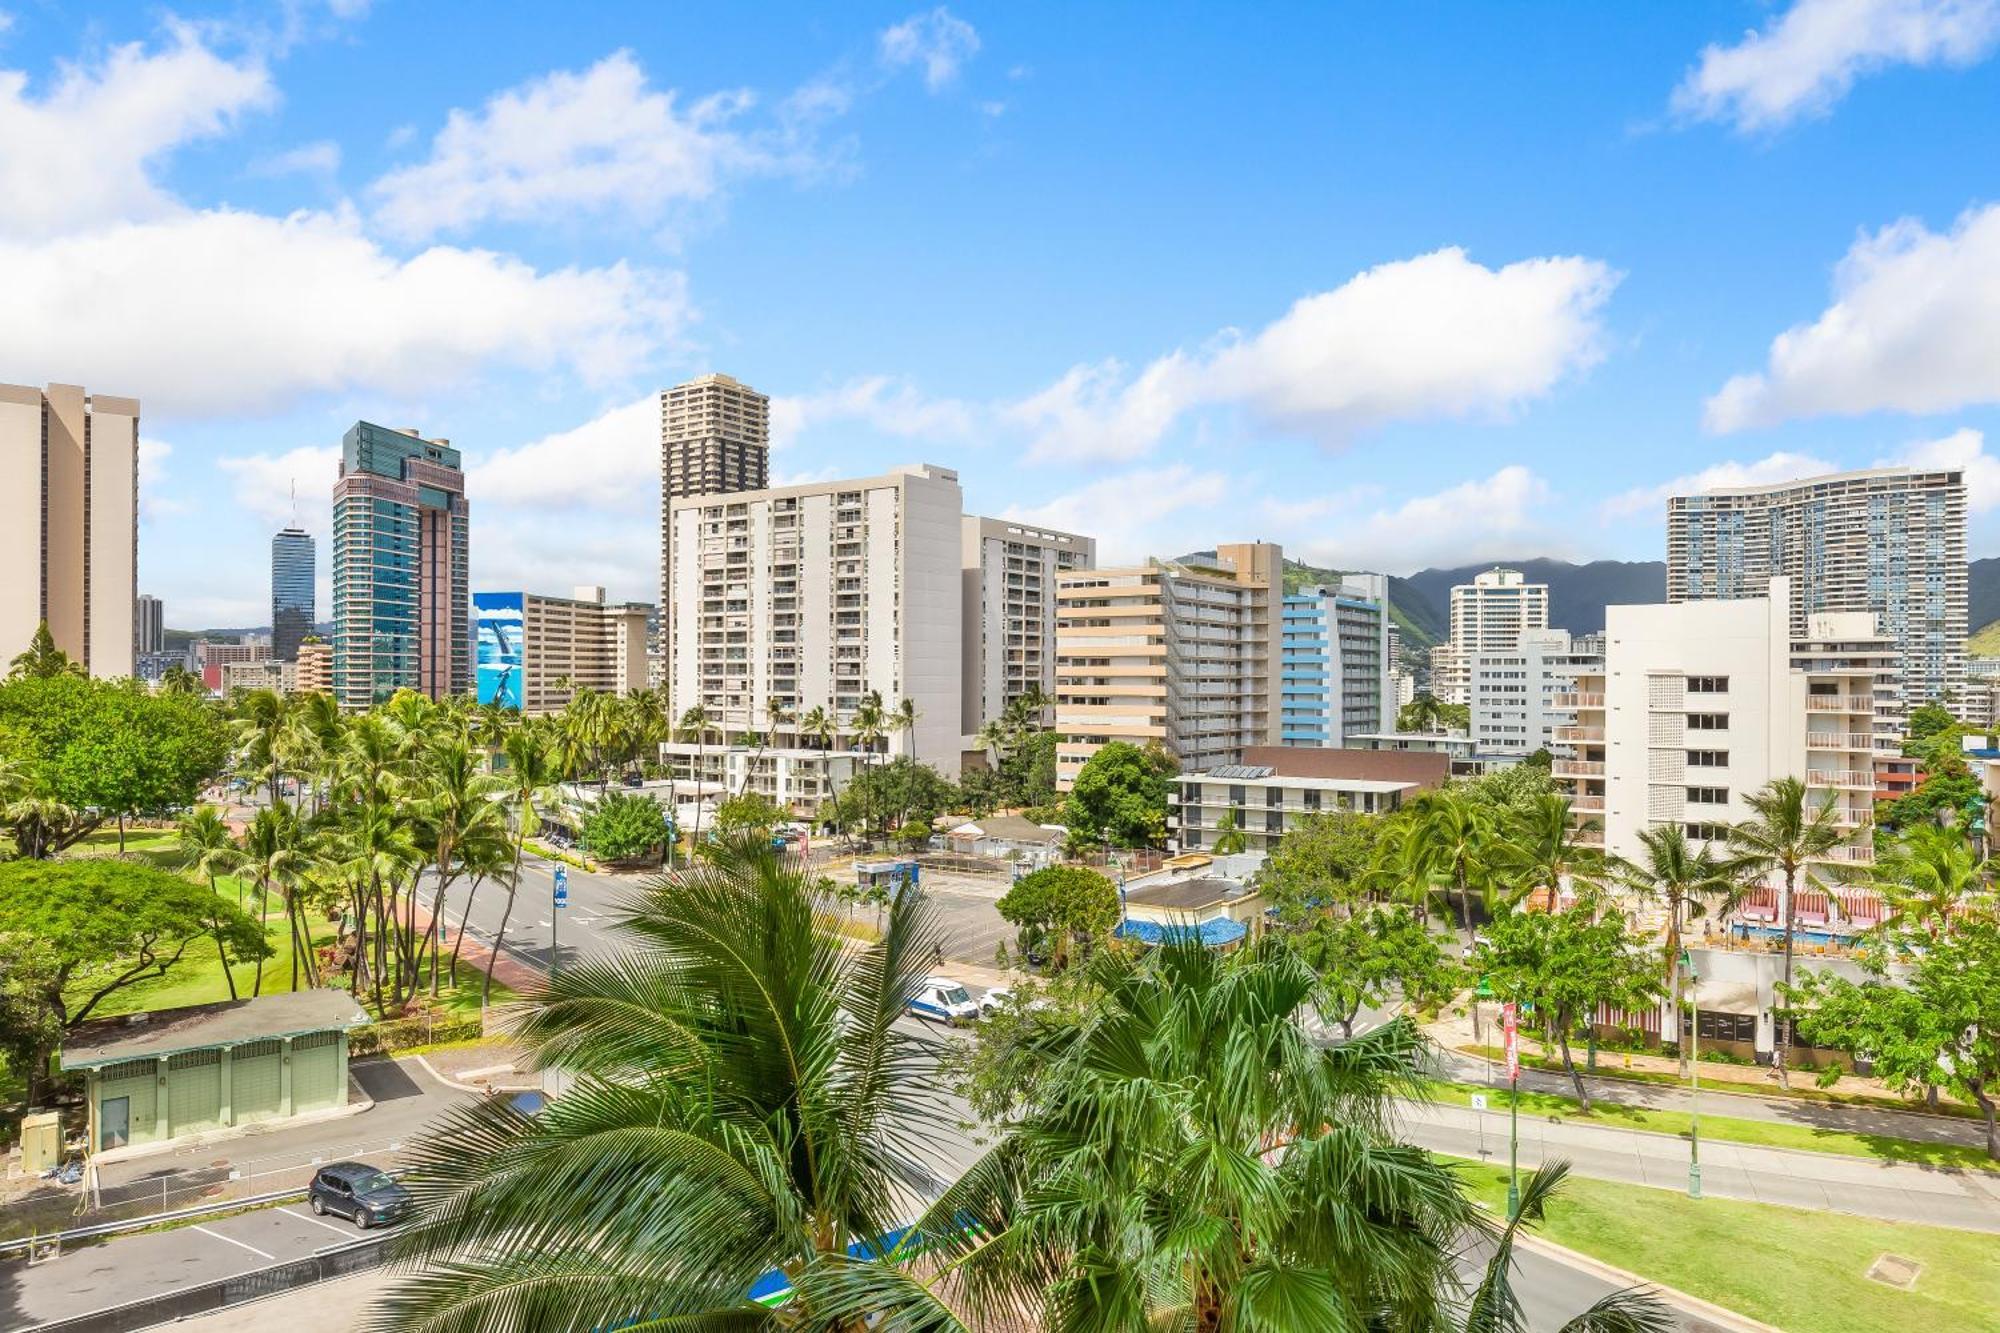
<point>1711,1025</point>
<point>1701,832</point>
<point>1708,684</point>
<point>1708,796</point>
<point>1274,821</point>
<point>1708,722</point>
<point>1708,758</point>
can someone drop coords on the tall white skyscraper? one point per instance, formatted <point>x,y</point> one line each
<point>1010,569</point>
<point>1888,541</point>
<point>69,524</point>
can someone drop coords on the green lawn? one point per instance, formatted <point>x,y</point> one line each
<point>1800,1270</point>
<point>1731,1129</point>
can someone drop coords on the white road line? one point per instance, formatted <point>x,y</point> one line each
<point>308,1217</point>
<point>241,1245</point>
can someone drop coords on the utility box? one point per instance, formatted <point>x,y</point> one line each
<point>41,1142</point>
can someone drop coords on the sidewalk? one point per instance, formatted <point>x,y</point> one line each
<point>1895,1192</point>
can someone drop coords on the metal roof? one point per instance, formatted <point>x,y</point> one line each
<point>205,1026</point>
<point>1241,771</point>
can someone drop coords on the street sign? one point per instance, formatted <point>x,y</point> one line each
<point>1479,1101</point>
<point>562,886</point>
<point>1513,1038</point>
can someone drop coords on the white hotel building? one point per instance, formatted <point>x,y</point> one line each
<point>813,596</point>
<point>1698,705</point>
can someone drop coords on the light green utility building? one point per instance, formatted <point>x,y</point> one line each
<point>175,1073</point>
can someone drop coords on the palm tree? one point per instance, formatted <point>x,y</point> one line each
<point>1927,874</point>
<point>530,777</point>
<point>456,797</point>
<point>1494,1308</point>
<point>274,854</point>
<point>41,659</point>
<point>207,849</point>
<point>1456,846</point>
<point>1229,839</point>
<point>868,726</point>
<point>745,1101</point>
<point>1190,1154</point>
<point>257,727</point>
<point>1784,834</point>
<point>992,738</point>
<point>904,719</point>
<point>1542,851</point>
<point>1686,881</point>
<point>819,725</point>
<point>693,726</point>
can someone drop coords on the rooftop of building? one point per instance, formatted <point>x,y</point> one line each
<point>1824,479</point>
<point>1011,828</point>
<point>895,476</point>
<point>1186,895</point>
<point>1353,770</point>
<point>198,1027</point>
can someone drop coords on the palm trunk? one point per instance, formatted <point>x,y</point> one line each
<point>215,926</point>
<point>1569,1063</point>
<point>471,892</point>
<point>292,930</point>
<point>506,913</point>
<point>1674,979</point>
<point>1464,902</point>
<point>1781,1048</point>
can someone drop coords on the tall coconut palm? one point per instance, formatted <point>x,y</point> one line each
<point>869,726</point>
<point>1456,848</point>
<point>693,727</point>
<point>1686,882</point>
<point>745,1101</point>
<point>1541,851</point>
<point>818,724</point>
<point>904,719</point>
<point>1786,833</point>
<point>530,777</point>
<point>274,855</point>
<point>1927,874</point>
<point>456,795</point>
<point>207,849</point>
<point>258,725</point>
<point>1193,1159</point>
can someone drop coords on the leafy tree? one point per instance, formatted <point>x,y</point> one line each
<point>1786,832</point>
<point>1512,791</point>
<point>1372,956</point>
<point>1120,793</point>
<point>894,793</point>
<point>41,659</point>
<point>1941,1027</point>
<point>1060,904</point>
<point>1948,785</point>
<point>1028,770</point>
<point>746,1099</point>
<point>1322,860</point>
<point>915,835</point>
<point>750,812</point>
<point>1195,1160</point>
<point>623,827</point>
<point>105,750</point>
<point>1566,964</point>
<point>76,932</point>
<point>1927,720</point>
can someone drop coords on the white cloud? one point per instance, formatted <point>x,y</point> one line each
<point>597,142</point>
<point>610,463</point>
<point>84,151</point>
<point>939,41</point>
<point>153,455</point>
<point>320,158</point>
<point>220,312</point>
<point>1486,518</point>
<point>6,22</point>
<point>1651,500</point>
<point>1430,337</point>
<point>1127,513</point>
<point>1964,449</point>
<point>263,485</point>
<point>1913,328</point>
<point>886,404</point>
<point>1807,58</point>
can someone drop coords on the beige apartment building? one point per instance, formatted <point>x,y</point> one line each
<point>556,646</point>
<point>1180,654</point>
<point>69,523</point>
<point>315,667</point>
<point>1009,650</point>
<point>801,597</point>
<point>1698,705</point>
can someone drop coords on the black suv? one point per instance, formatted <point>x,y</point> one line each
<point>358,1191</point>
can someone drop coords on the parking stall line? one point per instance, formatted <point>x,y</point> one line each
<point>242,1245</point>
<point>318,1222</point>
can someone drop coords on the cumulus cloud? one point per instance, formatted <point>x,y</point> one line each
<point>1127,513</point>
<point>263,485</point>
<point>1485,518</point>
<point>1652,500</point>
<point>84,150</point>
<point>884,403</point>
<point>610,463</point>
<point>1912,328</point>
<point>305,304</point>
<point>602,141</point>
<point>319,158</point>
<point>1964,449</point>
<point>1806,59</point>
<point>1437,336</point>
<point>939,41</point>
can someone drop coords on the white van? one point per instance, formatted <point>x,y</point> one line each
<point>943,1000</point>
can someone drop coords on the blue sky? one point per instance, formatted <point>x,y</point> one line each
<point>1395,286</point>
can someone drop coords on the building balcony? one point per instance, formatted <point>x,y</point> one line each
<point>1862,856</point>
<point>1567,733</point>
<point>1578,699</point>
<point>1828,703</point>
<point>1577,768</point>
<point>1846,779</point>
<point>1588,837</point>
<point>1839,740</point>
<point>1587,804</point>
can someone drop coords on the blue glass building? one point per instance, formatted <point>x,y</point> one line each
<point>294,568</point>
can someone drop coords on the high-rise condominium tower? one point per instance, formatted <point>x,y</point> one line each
<point>150,631</point>
<point>715,438</point>
<point>1009,606</point>
<point>293,604</point>
<point>401,609</point>
<point>69,523</point>
<point>1889,541</point>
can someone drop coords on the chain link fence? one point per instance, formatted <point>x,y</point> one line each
<point>170,1307</point>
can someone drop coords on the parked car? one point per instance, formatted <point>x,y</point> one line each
<point>942,1000</point>
<point>995,1000</point>
<point>367,1196</point>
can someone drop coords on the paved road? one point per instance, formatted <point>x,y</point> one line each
<point>1893,1191</point>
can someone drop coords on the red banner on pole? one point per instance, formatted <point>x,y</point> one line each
<point>1513,1041</point>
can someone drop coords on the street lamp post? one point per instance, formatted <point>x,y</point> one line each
<point>1509,1027</point>
<point>1694,1076</point>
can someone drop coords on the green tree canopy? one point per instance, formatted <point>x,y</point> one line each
<point>1566,964</point>
<point>887,796</point>
<point>73,933</point>
<point>1322,861</point>
<point>1940,1028</point>
<point>1373,955</point>
<point>1059,904</point>
<point>1927,720</point>
<point>750,812</point>
<point>623,827</point>
<point>1120,793</point>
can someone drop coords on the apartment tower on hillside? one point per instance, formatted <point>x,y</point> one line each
<point>1887,541</point>
<point>294,603</point>
<point>69,524</point>
<point>401,607</point>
